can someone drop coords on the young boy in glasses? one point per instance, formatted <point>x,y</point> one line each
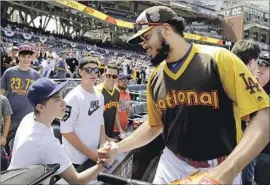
<point>82,126</point>
<point>111,100</point>
<point>35,142</point>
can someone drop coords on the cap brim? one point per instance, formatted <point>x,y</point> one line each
<point>136,39</point>
<point>30,51</point>
<point>58,88</point>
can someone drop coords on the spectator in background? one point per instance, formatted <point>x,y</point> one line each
<point>42,54</point>
<point>82,126</point>
<point>124,102</point>
<point>73,64</point>
<point>262,168</point>
<point>248,51</point>
<point>11,59</point>
<point>111,100</point>
<point>102,65</point>
<point>62,66</point>
<point>36,64</point>
<point>47,66</point>
<point>15,83</point>
<point>5,119</point>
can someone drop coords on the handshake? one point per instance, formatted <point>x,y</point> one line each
<point>107,154</point>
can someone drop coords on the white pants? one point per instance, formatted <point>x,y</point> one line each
<point>171,168</point>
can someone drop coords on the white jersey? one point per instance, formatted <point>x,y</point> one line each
<point>84,116</point>
<point>35,144</point>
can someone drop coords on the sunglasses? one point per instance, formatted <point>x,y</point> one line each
<point>89,70</point>
<point>124,80</point>
<point>113,76</point>
<point>263,63</point>
<point>140,26</point>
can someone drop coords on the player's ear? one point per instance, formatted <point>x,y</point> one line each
<point>166,29</point>
<point>80,72</point>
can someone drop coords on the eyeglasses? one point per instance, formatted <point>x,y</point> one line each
<point>140,26</point>
<point>124,80</point>
<point>89,70</point>
<point>263,64</point>
<point>113,76</point>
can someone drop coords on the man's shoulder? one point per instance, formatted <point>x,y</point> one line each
<point>74,93</point>
<point>215,52</point>
<point>155,71</point>
<point>11,69</point>
<point>3,98</point>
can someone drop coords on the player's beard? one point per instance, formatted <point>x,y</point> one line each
<point>162,52</point>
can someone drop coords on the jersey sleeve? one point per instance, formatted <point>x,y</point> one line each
<point>53,152</point>
<point>154,114</point>
<point>71,113</point>
<point>240,84</point>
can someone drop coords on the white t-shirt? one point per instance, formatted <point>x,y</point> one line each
<point>35,144</point>
<point>84,116</point>
<point>47,68</point>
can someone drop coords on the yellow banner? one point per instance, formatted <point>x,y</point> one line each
<point>104,17</point>
<point>95,13</point>
<point>203,38</point>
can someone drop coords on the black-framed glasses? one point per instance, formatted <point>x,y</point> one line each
<point>140,26</point>
<point>111,76</point>
<point>90,70</point>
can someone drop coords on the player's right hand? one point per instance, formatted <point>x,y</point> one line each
<point>108,153</point>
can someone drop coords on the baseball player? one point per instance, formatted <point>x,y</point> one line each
<point>191,96</point>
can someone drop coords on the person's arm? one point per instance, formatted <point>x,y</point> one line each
<point>117,123</point>
<point>6,113</point>
<point>71,176</point>
<point>102,138</point>
<point>140,137</point>
<point>243,89</point>
<point>247,149</point>
<point>53,153</point>
<point>75,141</point>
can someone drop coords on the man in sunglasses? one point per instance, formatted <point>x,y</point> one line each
<point>82,126</point>
<point>191,96</point>
<point>111,100</point>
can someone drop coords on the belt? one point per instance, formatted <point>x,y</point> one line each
<point>202,164</point>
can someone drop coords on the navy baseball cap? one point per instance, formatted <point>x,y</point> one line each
<point>41,89</point>
<point>123,75</point>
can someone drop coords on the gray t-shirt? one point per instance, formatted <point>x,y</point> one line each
<point>62,74</point>
<point>5,110</point>
<point>16,84</point>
